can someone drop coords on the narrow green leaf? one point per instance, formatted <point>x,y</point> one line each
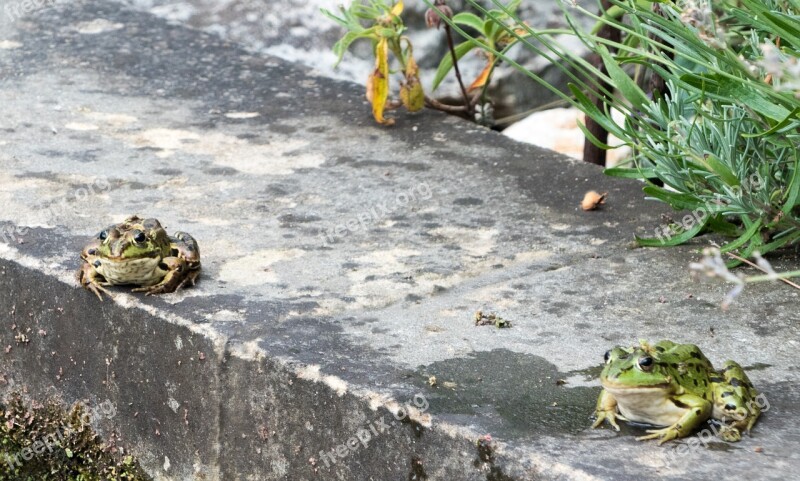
<point>512,7</point>
<point>591,137</point>
<point>777,244</point>
<point>490,29</point>
<point>786,28</point>
<point>677,200</point>
<point>744,238</point>
<point>675,240</point>
<point>341,21</point>
<point>723,171</point>
<point>755,244</point>
<point>790,121</point>
<point>469,20</point>
<point>447,61</point>
<point>340,47</point>
<point>590,109</point>
<point>629,173</point>
<point>793,190</point>
<point>719,225</point>
<point>622,80</point>
<point>743,91</point>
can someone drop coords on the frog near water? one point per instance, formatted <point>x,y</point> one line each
<point>675,386</point>
<point>139,252</point>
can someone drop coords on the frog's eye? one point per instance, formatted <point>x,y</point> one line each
<point>139,237</point>
<point>607,356</point>
<point>102,235</point>
<point>730,407</point>
<point>646,363</point>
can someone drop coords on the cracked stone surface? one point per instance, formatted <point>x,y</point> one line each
<point>343,263</point>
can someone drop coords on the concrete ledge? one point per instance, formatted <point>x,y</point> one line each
<point>343,263</point>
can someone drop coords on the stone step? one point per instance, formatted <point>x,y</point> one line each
<point>343,263</point>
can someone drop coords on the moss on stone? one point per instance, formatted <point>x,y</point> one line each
<point>44,442</point>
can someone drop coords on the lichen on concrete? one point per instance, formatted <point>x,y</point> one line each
<point>44,442</point>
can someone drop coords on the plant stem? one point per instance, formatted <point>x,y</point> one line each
<point>771,277</point>
<point>451,45</point>
<point>452,109</point>
<point>783,276</point>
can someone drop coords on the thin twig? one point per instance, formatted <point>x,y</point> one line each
<point>452,47</point>
<point>453,109</point>
<point>752,264</point>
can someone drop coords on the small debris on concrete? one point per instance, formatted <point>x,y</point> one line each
<point>482,319</point>
<point>485,448</point>
<point>592,200</point>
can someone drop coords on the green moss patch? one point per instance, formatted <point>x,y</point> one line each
<point>44,442</point>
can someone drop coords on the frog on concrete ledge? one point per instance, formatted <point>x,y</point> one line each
<point>139,252</point>
<point>675,386</point>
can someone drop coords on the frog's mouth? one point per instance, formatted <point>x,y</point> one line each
<point>622,388</point>
<point>121,260</point>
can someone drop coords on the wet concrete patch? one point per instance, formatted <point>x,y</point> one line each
<point>516,395</point>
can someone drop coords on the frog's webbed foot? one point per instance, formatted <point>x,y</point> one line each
<point>607,411</point>
<point>90,280</point>
<point>163,287</point>
<point>663,435</point>
<point>99,291</point>
<point>730,433</point>
<point>609,416</point>
<point>178,275</point>
<point>191,278</point>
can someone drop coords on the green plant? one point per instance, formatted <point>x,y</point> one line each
<point>493,34</point>
<point>385,30</point>
<point>720,139</point>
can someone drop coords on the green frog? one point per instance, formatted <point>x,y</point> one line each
<point>139,252</point>
<point>675,386</point>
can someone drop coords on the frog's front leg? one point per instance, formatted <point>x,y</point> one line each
<point>606,410</point>
<point>91,280</point>
<point>697,410</point>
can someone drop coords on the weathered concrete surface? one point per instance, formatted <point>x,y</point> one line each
<point>294,341</point>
